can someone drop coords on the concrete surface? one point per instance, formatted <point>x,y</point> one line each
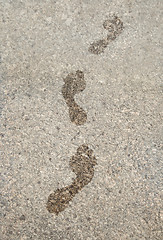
<point>42,41</point>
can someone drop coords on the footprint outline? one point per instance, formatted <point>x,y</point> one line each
<point>82,164</point>
<point>74,83</point>
<point>114,26</point>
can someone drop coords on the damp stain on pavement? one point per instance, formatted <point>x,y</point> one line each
<point>82,164</point>
<point>114,27</point>
<point>74,83</point>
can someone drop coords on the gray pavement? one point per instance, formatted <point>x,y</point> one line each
<point>43,42</point>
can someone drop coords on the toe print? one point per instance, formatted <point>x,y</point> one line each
<point>74,83</point>
<point>114,27</point>
<point>82,164</point>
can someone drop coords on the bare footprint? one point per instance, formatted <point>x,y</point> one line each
<point>114,27</point>
<point>82,164</point>
<point>74,83</point>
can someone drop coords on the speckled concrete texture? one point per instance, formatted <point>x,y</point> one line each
<point>42,41</point>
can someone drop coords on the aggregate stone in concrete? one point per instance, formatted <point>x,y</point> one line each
<point>43,42</point>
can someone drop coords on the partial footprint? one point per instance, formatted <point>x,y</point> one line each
<point>82,164</point>
<point>74,83</point>
<point>114,27</point>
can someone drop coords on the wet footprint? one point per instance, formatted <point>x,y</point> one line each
<point>82,164</point>
<point>114,27</point>
<point>74,83</point>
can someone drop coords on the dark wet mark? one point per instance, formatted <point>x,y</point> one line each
<point>74,83</point>
<point>114,27</point>
<point>22,218</point>
<point>82,164</point>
